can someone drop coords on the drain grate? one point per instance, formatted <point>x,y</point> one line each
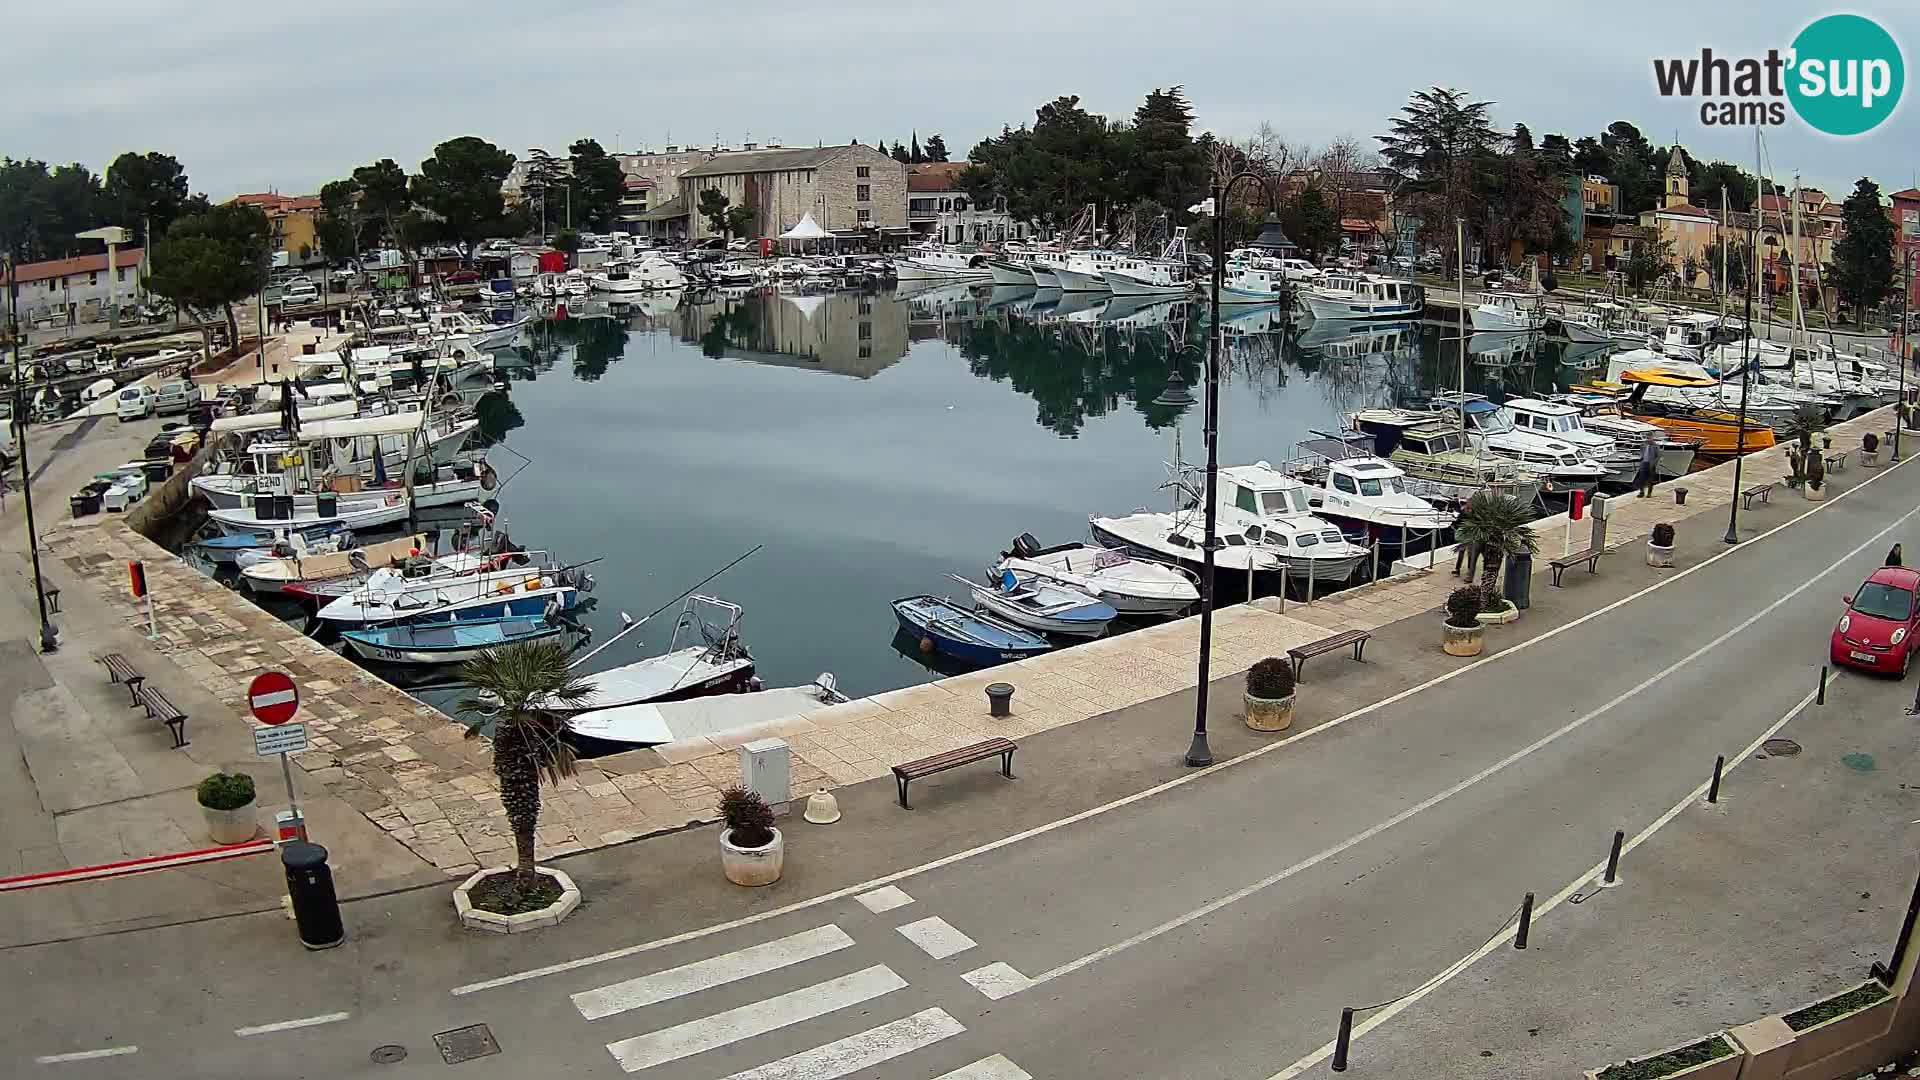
<point>465,1044</point>
<point>1780,747</point>
<point>387,1055</point>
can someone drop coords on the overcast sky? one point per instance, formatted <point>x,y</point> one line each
<point>288,95</point>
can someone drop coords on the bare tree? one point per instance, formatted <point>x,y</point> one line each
<point>1342,169</point>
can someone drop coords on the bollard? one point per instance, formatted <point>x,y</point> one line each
<point>1340,1042</point>
<point>316,910</point>
<point>1526,922</point>
<point>999,699</point>
<point>1613,861</point>
<point>1820,697</point>
<point>1310,569</point>
<point>1713,789</point>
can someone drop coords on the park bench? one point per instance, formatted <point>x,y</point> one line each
<point>120,671</point>
<point>1356,638</point>
<point>1837,461</point>
<point>159,708</point>
<point>1763,492</point>
<point>1591,556</point>
<point>953,759</point>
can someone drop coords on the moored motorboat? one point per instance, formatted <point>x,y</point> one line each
<point>970,636</point>
<point>719,664</point>
<point>1042,604</point>
<point>1130,585</point>
<point>446,642</point>
<point>627,727</point>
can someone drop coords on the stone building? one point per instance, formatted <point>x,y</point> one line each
<point>852,190</point>
<point>939,210</point>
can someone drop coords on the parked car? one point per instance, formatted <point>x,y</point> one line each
<point>463,277</point>
<point>1299,270</point>
<point>1877,631</point>
<point>300,292</point>
<point>135,403</point>
<point>176,397</point>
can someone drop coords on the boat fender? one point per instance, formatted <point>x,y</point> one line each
<point>487,480</point>
<point>926,644</point>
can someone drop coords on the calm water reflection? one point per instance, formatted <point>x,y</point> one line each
<point>875,442</point>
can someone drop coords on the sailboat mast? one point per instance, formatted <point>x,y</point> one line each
<point>1793,265</point>
<point>1460,249</point>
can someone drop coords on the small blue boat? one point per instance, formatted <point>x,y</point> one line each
<point>445,642</point>
<point>226,549</point>
<point>966,635</point>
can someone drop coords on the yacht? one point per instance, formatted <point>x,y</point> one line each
<point>1271,508</point>
<point>1504,313</point>
<point>933,262</point>
<point>1560,463</point>
<point>1355,295</point>
<point>1365,495</point>
<point>1562,421</point>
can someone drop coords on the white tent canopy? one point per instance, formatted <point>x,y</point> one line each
<point>807,229</point>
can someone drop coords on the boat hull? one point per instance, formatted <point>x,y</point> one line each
<point>1080,281</point>
<point>916,621</point>
<point>911,271</point>
<point>1125,285</point>
<point>1324,307</point>
<point>359,519</point>
<point>1045,279</point>
<point>1581,334</point>
<point>365,645</point>
<point>1005,273</point>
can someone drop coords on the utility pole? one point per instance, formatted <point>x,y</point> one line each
<point>49,637</point>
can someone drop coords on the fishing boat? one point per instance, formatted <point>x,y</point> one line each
<point>446,642</point>
<point>1500,312</point>
<point>628,727</point>
<point>295,544</point>
<point>1012,270</point>
<point>1042,604</point>
<point>304,562</point>
<point>1086,270</point>
<point>1044,275</point>
<point>1366,496</point>
<point>451,485</point>
<point>391,595</point>
<point>1493,433</point>
<point>1355,295</point>
<point>649,273</point>
<point>1167,275</point>
<point>1593,326</point>
<point>269,512</point>
<point>933,262</point>
<point>1434,454</point>
<point>705,655</point>
<point>1686,337</point>
<point>970,636</point>
<point>1129,585</point>
<point>1241,283</point>
<point>225,549</point>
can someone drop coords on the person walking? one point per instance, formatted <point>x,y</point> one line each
<point>1649,467</point>
<point>1893,556</point>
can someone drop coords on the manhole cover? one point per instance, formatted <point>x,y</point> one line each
<point>387,1055</point>
<point>1780,747</point>
<point>465,1044</point>
<point>1858,762</point>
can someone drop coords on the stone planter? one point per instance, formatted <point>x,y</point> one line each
<point>1814,494</point>
<point>1462,640</point>
<point>1659,556</point>
<point>1724,1067</point>
<point>1869,459</point>
<point>235,826</point>
<point>1269,714</point>
<point>474,919</point>
<point>1507,613</point>
<point>752,867</point>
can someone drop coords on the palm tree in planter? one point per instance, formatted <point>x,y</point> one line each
<point>1270,695</point>
<point>521,685</point>
<point>1498,525</point>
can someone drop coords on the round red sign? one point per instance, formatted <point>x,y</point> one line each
<point>273,698</point>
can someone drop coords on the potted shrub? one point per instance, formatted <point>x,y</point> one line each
<point>1462,634</point>
<point>1660,546</point>
<point>1270,695</point>
<point>1869,451</point>
<point>1816,487</point>
<point>752,851</point>
<point>226,800</point>
<point>1499,526</point>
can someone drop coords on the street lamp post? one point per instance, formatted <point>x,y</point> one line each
<point>1906,314</point>
<point>1746,378</point>
<point>49,638</point>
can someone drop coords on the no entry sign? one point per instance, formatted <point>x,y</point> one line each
<point>273,698</point>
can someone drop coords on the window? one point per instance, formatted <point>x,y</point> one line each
<point>862,171</point>
<point>1345,484</point>
<point>93,277</point>
<point>866,352</point>
<point>1235,541</point>
<point>123,274</point>
<point>866,305</point>
<point>866,330</point>
<point>865,215</point>
<point>862,193</point>
<point>1244,499</point>
<point>1884,602</point>
<point>1308,540</point>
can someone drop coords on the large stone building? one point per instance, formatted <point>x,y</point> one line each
<point>937,209</point>
<point>853,190</point>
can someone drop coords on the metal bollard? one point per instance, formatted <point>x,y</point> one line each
<point>1713,789</point>
<point>316,910</point>
<point>1613,861</point>
<point>1820,698</point>
<point>999,699</point>
<point>1341,1041</point>
<point>1526,922</point>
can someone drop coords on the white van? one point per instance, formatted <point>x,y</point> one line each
<point>176,397</point>
<point>135,403</point>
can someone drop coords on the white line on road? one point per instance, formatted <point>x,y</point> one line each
<point>85,1055</point>
<point>1182,780</point>
<point>715,971</point>
<point>882,900</point>
<point>936,937</point>
<point>862,1051</point>
<point>997,980</point>
<point>289,1025</point>
<point>754,1018</point>
<point>996,1067</point>
<point>1561,897</point>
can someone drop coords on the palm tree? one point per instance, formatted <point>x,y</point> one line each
<point>1497,525</point>
<point>521,684</point>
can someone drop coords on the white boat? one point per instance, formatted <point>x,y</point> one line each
<point>1561,421</point>
<point>1366,494</point>
<point>1085,271</point>
<point>1131,586</point>
<point>294,546</point>
<point>719,664</point>
<point>389,595</point>
<point>1594,326</point>
<point>1167,275</point>
<point>1045,276</point>
<point>1354,295</point>
<point>1040,603</point>
<point>649,273</point>
<point>1493,433</point>
<point>1600,414</point>
<point>303,562</point>
<point>933,262</point>
<point>654,723</point>
<point>1176,539</point>
<point>366,516</point>
<point>1011,270</point>
<point>481,334</point>
<point>1685,337</point>
<point>1504,313</point>
<point>1271,508</point>
<point>1243,283</point>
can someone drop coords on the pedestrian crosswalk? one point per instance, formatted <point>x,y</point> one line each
<point>892,1027</point>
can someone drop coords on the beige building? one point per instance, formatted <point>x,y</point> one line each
<point>848,189</point>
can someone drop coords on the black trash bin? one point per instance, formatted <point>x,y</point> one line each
<point>1517,580</point>
<point>316,911</point>
<point>327,504</point>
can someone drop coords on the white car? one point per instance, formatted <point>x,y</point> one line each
<point>135,403</point>
<point>1299,270</point>
<point>300,292</point>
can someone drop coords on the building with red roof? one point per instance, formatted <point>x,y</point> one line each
<point>80,287</point>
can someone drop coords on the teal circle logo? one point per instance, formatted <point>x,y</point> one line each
<point>1847,75</point>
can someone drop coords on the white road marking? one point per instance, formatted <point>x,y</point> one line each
<point>1573,887</point>
<point>884,899</point>
<point>862,1051</point>
<point>289,1025</point>
<point>754,1018</point>
<point>714,971</point>
<point>936,937</point>
<point>1192,776</point>
<point>1431,801</point>
<point>996,1067</point>
<point>85,1055</point>
<point>997,980</point>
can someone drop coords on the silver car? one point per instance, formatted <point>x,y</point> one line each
<point>176,397</point>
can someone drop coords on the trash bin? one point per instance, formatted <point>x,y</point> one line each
<point>326,505</point>
<point>316,911</point>
<point>1517,582</point>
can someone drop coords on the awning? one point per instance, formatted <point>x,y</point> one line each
<point>807,229</point>
<point>267,421</point>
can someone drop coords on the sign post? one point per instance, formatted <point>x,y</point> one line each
<point>137,582</point>
<point>274,699</point>
<point>1576,504</point>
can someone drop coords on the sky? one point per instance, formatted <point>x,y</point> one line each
<point>280,96</point>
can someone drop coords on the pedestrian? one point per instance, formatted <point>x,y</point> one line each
<point>1649,467</point>
<point>1468,554</point>
<point>1893,556</point>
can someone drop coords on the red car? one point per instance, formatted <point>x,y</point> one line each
<point>1877,632</point>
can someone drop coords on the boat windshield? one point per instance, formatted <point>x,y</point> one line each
<point>1884,602</point>
<point>1381,485</point>
<point>1284,502</point>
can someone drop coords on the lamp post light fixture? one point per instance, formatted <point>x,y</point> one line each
<point>49,637</point>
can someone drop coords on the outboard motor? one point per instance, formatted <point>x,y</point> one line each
<point>1025,545</point>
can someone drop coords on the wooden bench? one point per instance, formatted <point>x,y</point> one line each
<point>159,708</point>
<point>1837,462</point>
<point>952,759</point>
<point>1356,638</point>
<point>1590,556</point>
<point>53,598</point>
<point>120,671</point>
<point>1763,492</point>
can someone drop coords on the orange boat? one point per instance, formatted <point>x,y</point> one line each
<point>1718,431</point>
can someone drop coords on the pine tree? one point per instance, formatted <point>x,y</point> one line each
<point>914,156</point>
<point>936,148</point>
<point>1863,259</point>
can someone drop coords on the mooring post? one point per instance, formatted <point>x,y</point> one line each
<point>1526,922</point>
<point>1341,1041</point>
<point>1820,698</point>
<point>1613,860</point>
<point>1713,789</point>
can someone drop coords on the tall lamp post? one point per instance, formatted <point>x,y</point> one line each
<point>1906,314</point>
<point>1746,378</point>
<point>49,638</point>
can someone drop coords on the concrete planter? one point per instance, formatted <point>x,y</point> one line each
<point>1659,556</point>
<point>474,919</point>
<point>235,826</point>
<point>1507,613</point>
<point>1269,714</point>
<point>1869,459</point>
<point>1462,640</point>
<point>1726,1067</point>
<point>1815,494</point>
<point>752,867</point>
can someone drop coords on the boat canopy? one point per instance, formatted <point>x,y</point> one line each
<point>319,359</point>
<point>267,421</point>
<point>390,424</point>
<point>1656,377</point>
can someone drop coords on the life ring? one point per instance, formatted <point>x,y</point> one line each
<point>487,479</point>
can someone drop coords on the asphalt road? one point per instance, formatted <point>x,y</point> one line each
<point>1211,929</point>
